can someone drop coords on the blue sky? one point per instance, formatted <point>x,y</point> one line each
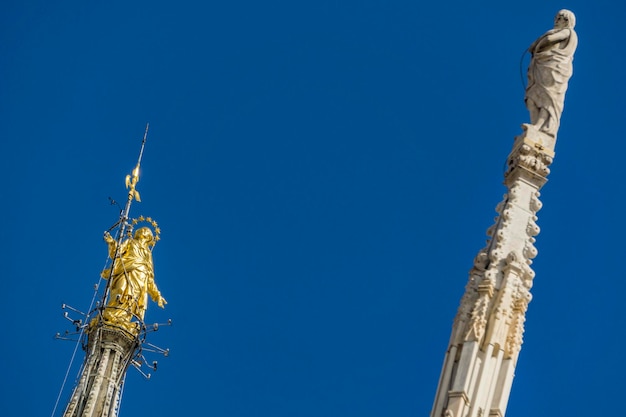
<point>324,174</point>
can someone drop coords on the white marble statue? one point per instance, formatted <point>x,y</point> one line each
<point>549,71</point>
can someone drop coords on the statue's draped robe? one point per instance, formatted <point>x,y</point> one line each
<point>548,75</point>
<point>132,282</point>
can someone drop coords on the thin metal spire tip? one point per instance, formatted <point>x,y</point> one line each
<point>143,144</point>
<point>133,179</point>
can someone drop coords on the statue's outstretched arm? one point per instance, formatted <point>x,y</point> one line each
<point>111,243</point>
<point>155,294</point>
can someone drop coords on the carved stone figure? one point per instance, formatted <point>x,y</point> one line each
<point>132,279</point>
<point>549,72</point>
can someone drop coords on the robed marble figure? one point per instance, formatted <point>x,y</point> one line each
<point>549,72</point>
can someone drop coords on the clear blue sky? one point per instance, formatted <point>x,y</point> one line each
<point>323,173</point>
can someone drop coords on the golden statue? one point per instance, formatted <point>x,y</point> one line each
<point>132,279</point>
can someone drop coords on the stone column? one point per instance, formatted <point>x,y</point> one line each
<point>487,331</point>
<point>109,353</point>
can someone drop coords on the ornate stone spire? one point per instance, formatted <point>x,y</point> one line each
<point>487,332</point>
<point>113,333</point>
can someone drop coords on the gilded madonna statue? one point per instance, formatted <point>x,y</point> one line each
<point>132,279</point>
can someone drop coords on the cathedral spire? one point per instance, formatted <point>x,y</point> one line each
<point>114,332</point>
<point>487,331</point>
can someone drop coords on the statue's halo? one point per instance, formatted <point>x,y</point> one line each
<point>152,222</point>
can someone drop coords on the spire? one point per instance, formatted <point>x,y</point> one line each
<point>132,180</point>
<point>487,332</point>
<point>113,333</point>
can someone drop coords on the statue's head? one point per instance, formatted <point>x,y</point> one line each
<point>564,19</point>
<point>144,234</point>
